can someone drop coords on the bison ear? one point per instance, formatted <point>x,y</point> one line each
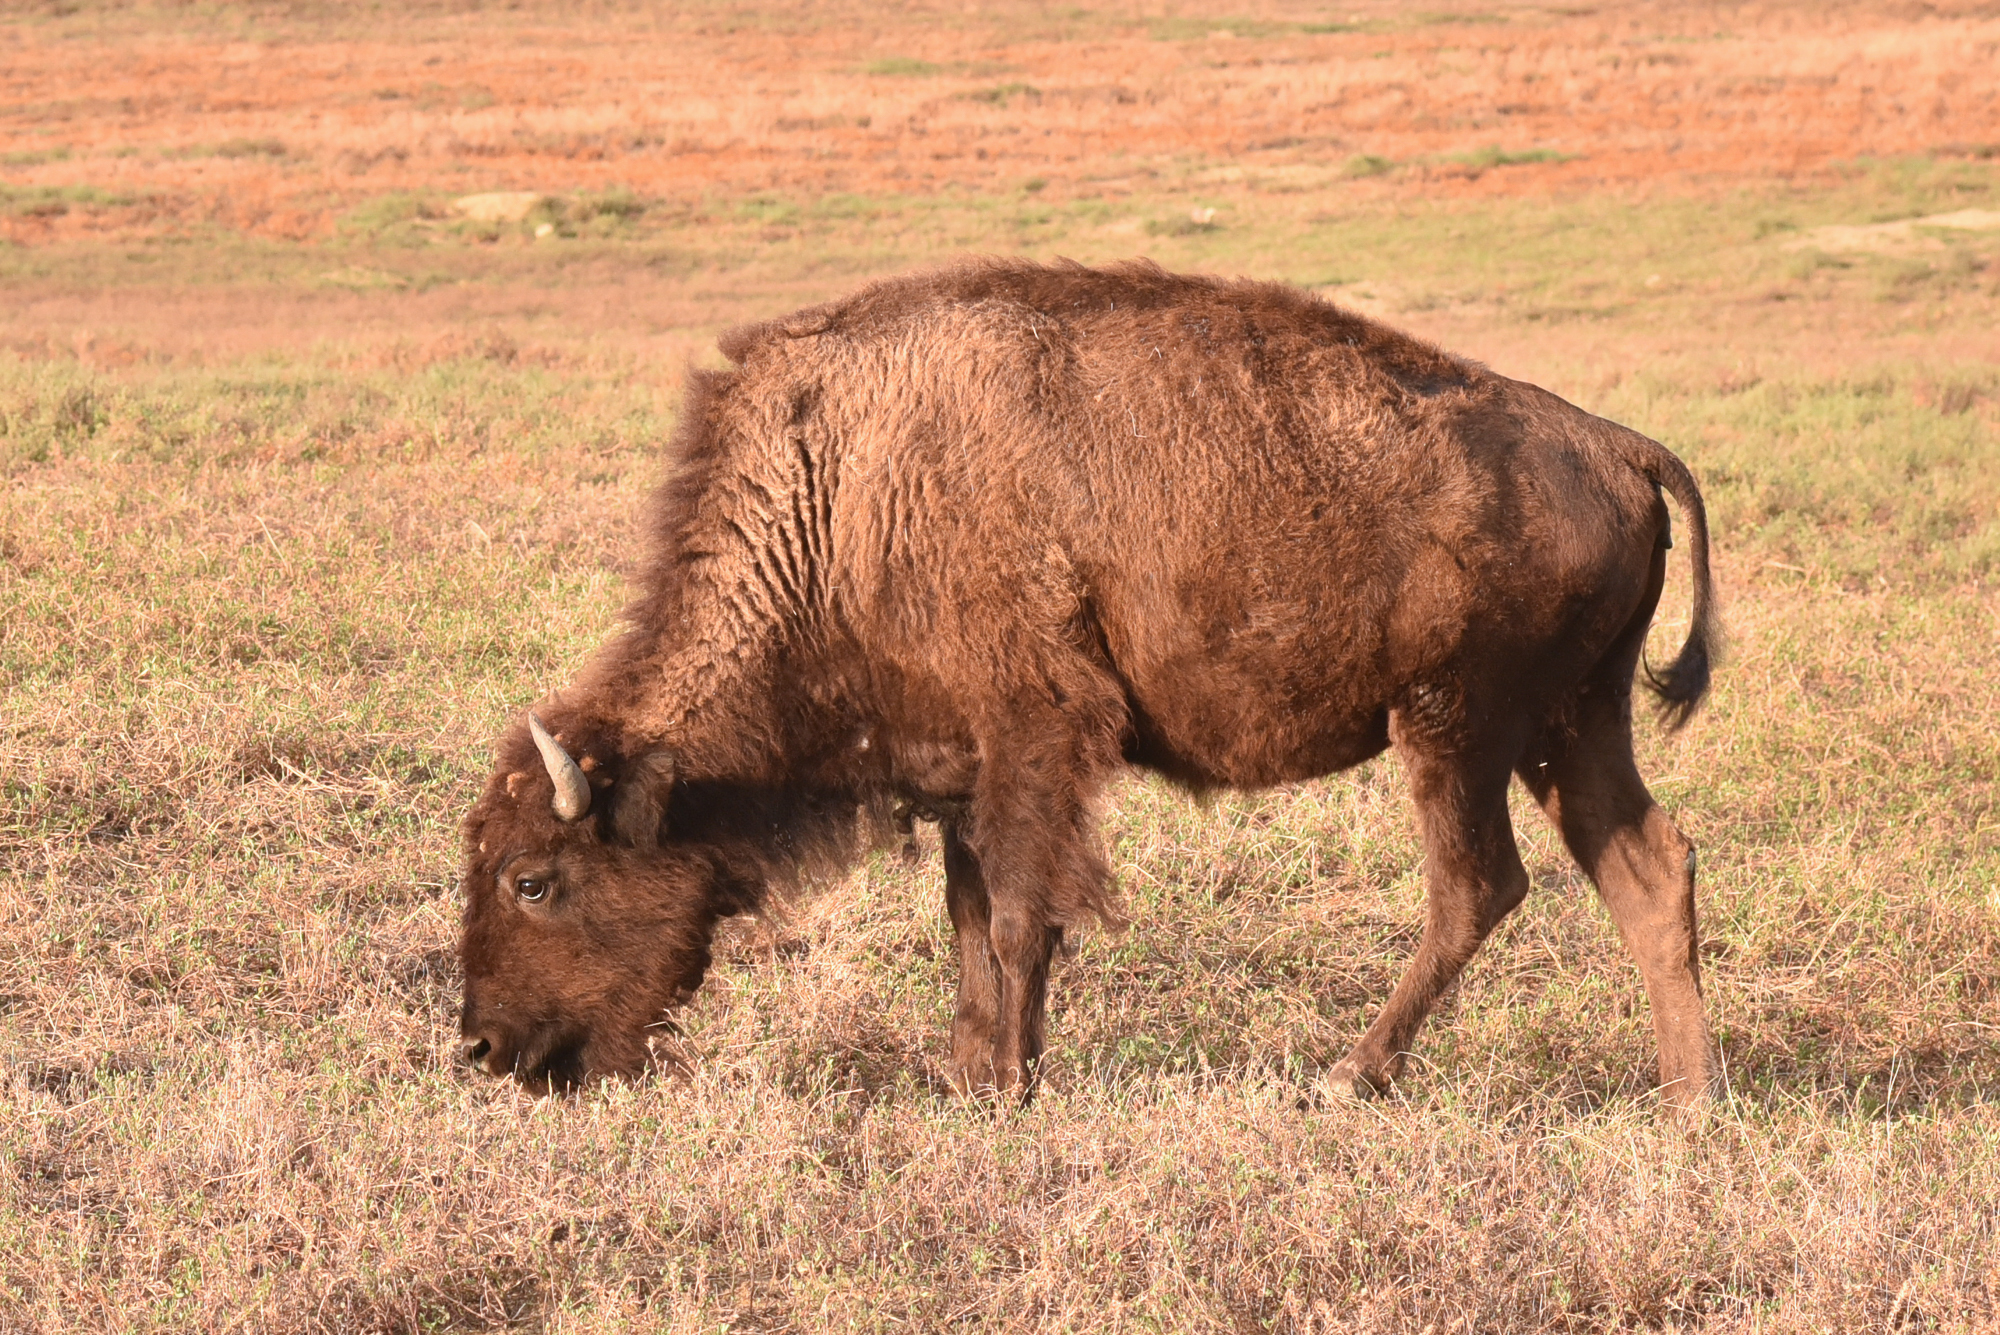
<point>639,803</point>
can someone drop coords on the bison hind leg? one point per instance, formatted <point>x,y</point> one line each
<point>1474,878</point>
<point>1590,789</point>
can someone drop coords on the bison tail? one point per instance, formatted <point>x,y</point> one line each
<point>1681,684</point>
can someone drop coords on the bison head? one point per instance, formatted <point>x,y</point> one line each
<point>585,920</point>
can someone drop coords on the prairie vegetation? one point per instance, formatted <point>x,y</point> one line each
<point>311,479</point>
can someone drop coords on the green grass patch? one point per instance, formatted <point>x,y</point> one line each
<point>1186,29</point>
<point>904,67</point>
<point>54,201</point>
<point>1001,94</point>
<point>394,217</point>
<point>34,157</point>
<point>251,148</point>
<point>1494,156</point>
<point>1856,479</point>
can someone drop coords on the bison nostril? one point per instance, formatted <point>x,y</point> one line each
<point>475,1050</point>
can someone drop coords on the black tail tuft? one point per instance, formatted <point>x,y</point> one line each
<point>1681,685</point>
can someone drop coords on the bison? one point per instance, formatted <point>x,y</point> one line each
<point>973,541</point>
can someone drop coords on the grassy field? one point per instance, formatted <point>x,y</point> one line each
<point>295,517</point>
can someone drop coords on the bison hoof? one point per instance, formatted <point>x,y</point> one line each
<point>974,1089</point>
<point>1346,1083</point>
<point>1689,1099</point>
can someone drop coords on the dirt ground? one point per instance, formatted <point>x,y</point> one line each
<point>276,124</point>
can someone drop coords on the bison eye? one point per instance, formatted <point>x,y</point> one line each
<point>531,888</point>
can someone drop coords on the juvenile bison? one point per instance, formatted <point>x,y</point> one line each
<point>972,541</point>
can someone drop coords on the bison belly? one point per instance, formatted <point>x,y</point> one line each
<point>1247,687</point>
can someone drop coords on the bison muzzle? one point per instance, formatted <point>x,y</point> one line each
<point>971,542</point>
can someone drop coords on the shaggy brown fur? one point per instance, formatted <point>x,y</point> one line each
<point>974,540</point>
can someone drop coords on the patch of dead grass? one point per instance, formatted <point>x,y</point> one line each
<point>263,619</point>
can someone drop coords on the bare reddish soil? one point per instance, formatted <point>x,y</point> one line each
<point>277,131</point>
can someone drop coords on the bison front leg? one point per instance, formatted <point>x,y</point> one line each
<point>1024,947</point>
<point>1003,960</point>
<point>1474,878</point>
<point>974,1027</point>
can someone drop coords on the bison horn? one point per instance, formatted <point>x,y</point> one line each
<point>572,789</point>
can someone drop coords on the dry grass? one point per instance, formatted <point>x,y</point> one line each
<point>287,529</point>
